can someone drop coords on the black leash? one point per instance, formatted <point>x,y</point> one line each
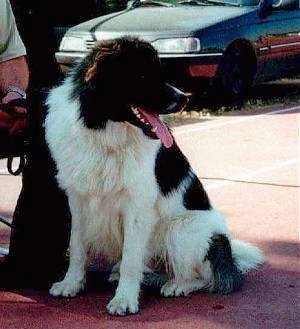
<point>17,150</point>
<point>5,251</point>
<point>6,221</point>
<point>21,166</point>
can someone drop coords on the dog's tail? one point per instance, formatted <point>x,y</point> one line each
<point>246,255</point>
<point>229,260</point>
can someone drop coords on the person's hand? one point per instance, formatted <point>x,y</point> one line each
<point>13,114</point>
<point>11,96</point>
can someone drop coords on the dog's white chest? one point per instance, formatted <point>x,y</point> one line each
<point>99,172</point>
<point>109,170</point>
<point>95,163</point>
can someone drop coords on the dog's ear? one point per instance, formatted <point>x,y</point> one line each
<point>101,54</point>
<point>93,68</point>
<point>90,74</point>
<point>90,84</point>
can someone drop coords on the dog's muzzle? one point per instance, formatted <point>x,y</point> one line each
<point>176,100</point>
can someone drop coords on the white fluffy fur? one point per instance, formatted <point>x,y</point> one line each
<point>117,209</point>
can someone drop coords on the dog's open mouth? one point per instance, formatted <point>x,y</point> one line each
<point>155,126</point>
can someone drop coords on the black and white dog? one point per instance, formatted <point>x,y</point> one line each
<point>132,193</point>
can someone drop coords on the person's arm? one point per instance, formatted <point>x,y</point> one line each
<point>13,73</point>
<point>13,66</point>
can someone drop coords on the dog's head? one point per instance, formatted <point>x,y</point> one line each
<point>121,80</point>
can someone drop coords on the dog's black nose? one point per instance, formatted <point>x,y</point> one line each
<point>176,100</point>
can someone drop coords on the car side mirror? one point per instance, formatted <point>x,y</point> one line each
<point>265,8</point>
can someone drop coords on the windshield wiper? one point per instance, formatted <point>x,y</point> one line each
<point>145,3</point>
<point>194,2</point>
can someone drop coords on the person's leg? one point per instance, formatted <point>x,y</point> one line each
<point>41,220</point>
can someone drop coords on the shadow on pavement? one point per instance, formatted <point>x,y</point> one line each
<point>267,300</point>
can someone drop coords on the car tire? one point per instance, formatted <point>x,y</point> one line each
<point>235,76</point>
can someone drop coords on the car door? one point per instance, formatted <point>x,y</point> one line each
<point>281,42</point>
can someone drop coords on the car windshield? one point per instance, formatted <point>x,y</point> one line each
<point>144,3</point>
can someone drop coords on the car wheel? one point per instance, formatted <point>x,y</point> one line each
<point>235,76</point>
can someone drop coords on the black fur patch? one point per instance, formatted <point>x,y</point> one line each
<point>117,75</point>
<point>227,277</point>
<point>195,197</point>
<point>171,168</point>
<point>90,99</point>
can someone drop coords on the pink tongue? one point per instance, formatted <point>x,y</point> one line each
<point>162,131</point>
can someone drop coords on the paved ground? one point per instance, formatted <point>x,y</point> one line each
<point>249,165</point>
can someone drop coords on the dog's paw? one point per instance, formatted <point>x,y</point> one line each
<point>66,288</point>
<point>176,289</point>
<point>123,305</point>
<point>115,273</point>
<point>114,277</point>
<point>171,288</point>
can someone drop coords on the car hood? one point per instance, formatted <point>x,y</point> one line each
<point>162,20</point>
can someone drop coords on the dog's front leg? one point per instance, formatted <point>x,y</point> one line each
<point>137,229</point>
<point>74,280</point>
